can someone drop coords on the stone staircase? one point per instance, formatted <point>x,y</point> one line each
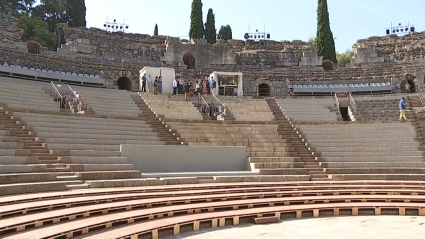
<point>30,145</point>
<point>296,139</point>
<point>164,131</point>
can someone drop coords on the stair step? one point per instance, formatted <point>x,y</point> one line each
<point>67,178</point>
<point>77,186</point>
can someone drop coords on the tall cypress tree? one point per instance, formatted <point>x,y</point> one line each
<point>196,24</point>
<point>210,31</point>
<point>325,44</point>
<point>155,31</point>
<point>76,11</point>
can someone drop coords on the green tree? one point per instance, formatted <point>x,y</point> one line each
<point>325,44</point>
<point>38,30</point>
<point>210,31</point>
<point>196,24</point>
<point>225,33</point>
<point>17,7</point>
<point>344,58</point>
<point>52,11</point>
<point>155,31</point>
<point>312,40</point>
<point>76,13</point>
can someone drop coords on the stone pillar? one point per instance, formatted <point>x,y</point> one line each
<point>310,58</point>
<point>365,55</point>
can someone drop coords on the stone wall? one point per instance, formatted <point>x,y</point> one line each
<point>171,51</point>
<point>8,28</point>
<point>396,48</point>
<point>270,53</point>
<point>116,45</point>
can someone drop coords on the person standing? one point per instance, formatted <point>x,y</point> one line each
<point>155,86</point>
<point>197,88</point>
<point>204,86</point>
<point>402,109</point>
<point>186,91</point>
<point>149,84</point>
<point>213,85</point>
<point>144,83</point>
<point>160,84</point>
<point>175,86</point>
<point>181,85</point>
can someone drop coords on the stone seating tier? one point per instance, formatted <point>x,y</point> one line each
<point>308,109</point>
<point>248,109</point>
<point>16,94</point>
<point>109,102</point>
<point>141,211</point>
<point>170,108</point>
<point>375,147</point>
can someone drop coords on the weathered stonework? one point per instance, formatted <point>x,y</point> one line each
<point>116,55</point>
<point>311,58</point>
<point>394,48</point>
<point>8,28</point>
<point>364,55</point>
<point>203,53</point>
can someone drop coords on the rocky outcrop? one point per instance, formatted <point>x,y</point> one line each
<point>396,48</point>
<point>9,30</point>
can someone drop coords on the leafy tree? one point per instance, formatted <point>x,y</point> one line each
<point>76,13</point>
<point>344,58</point>
<point>196,24</point>
<point>325,44</point>
<point>17,7</point>
<point>210,31</point>
<point>225,33</point>
<point>312,40</point>
<point>155,31</point>
<point>38,30</point>
<point>52,11</point>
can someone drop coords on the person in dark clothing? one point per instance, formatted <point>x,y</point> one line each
<point>144,83</point>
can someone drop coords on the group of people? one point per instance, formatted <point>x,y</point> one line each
<point>203,86</point>
<point>73,103</point>
<point>155,85</point>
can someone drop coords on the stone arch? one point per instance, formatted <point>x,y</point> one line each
<point>124,84</point>
<point>33,47</point>
<point>263,89</point>
<point>189,60</point>
<point>266,87</point>
<point>412,86</point>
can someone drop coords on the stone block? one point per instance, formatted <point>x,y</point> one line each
<point>185,180</point>
<point>266,220</point>
<point>13,189</point>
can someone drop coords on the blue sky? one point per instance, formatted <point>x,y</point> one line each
<point>284,19</point>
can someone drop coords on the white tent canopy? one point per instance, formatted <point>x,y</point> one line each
<point>238,81</point>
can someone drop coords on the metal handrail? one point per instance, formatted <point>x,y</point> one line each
<point>215,101</point>
<point>57,96</point>
<point>352,102</point>
<point>337,102</point>
<point>71,92</point>
<point>205,105</point>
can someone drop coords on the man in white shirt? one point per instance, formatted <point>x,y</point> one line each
<point>175,86</point>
